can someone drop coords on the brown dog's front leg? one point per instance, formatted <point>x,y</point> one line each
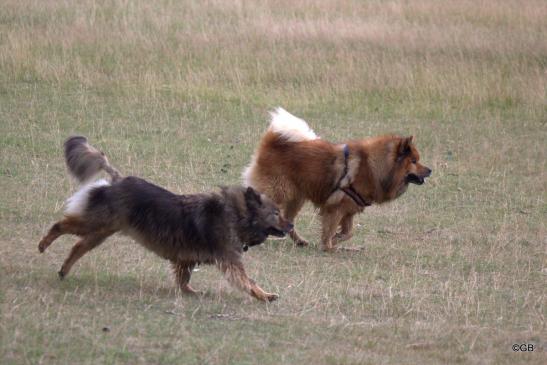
<point>346,229</point>
<point>329,222</point>
<point>290,210</point>
<point>236,275</point>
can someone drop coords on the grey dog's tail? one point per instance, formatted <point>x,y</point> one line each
<point>85,161</point>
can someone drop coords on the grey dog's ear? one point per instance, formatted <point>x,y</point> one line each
<point>404,146</point>
<point>252,197</point>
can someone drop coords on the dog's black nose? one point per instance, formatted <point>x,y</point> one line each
<point>290,226</point>
<point>429,171</point>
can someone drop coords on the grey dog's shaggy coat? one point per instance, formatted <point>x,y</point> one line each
<point>187,230</point>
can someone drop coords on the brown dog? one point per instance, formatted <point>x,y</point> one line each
<point>292,165</point>
<point>184,229</point>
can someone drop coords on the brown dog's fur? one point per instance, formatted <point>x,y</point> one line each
<point>185,229</point>
<point>292,166</point>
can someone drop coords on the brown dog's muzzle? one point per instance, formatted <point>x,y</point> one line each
<point>419,177</point>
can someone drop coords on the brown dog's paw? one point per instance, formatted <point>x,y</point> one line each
<point>341,237</point>
<point>272,296</point>
<point>328,249</point>
<point>301,243</point>
<point>61,274</point>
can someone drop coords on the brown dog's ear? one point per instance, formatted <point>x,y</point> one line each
<point>252,197</point>
<point>404,146</point>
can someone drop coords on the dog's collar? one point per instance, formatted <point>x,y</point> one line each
<point>350,190</point>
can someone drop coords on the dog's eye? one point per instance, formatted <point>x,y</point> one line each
<point>414,161</point>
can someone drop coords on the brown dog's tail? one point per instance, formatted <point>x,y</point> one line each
<point>84,161</point>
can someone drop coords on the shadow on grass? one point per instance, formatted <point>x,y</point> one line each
<point>102,284</point>
<point>109,287</point>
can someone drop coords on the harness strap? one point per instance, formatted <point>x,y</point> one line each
<point>350,190</point>
<point>357,198</point>
<point>346,156</point>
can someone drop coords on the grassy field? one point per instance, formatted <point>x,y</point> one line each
<point>177,92</point>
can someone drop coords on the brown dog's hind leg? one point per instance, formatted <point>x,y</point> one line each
<point>290,210</point>
<point>183,272</point>
<point>68,225</point>
<point>236,275</point>
<point>83,246</point>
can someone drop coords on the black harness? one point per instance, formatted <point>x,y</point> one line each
<point>350,190</point>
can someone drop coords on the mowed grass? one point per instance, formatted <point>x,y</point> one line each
<point>177,92</point>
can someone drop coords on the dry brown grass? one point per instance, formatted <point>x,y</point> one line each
<point>177,92</point>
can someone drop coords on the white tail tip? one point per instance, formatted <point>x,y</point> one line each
<point>292,128</point>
